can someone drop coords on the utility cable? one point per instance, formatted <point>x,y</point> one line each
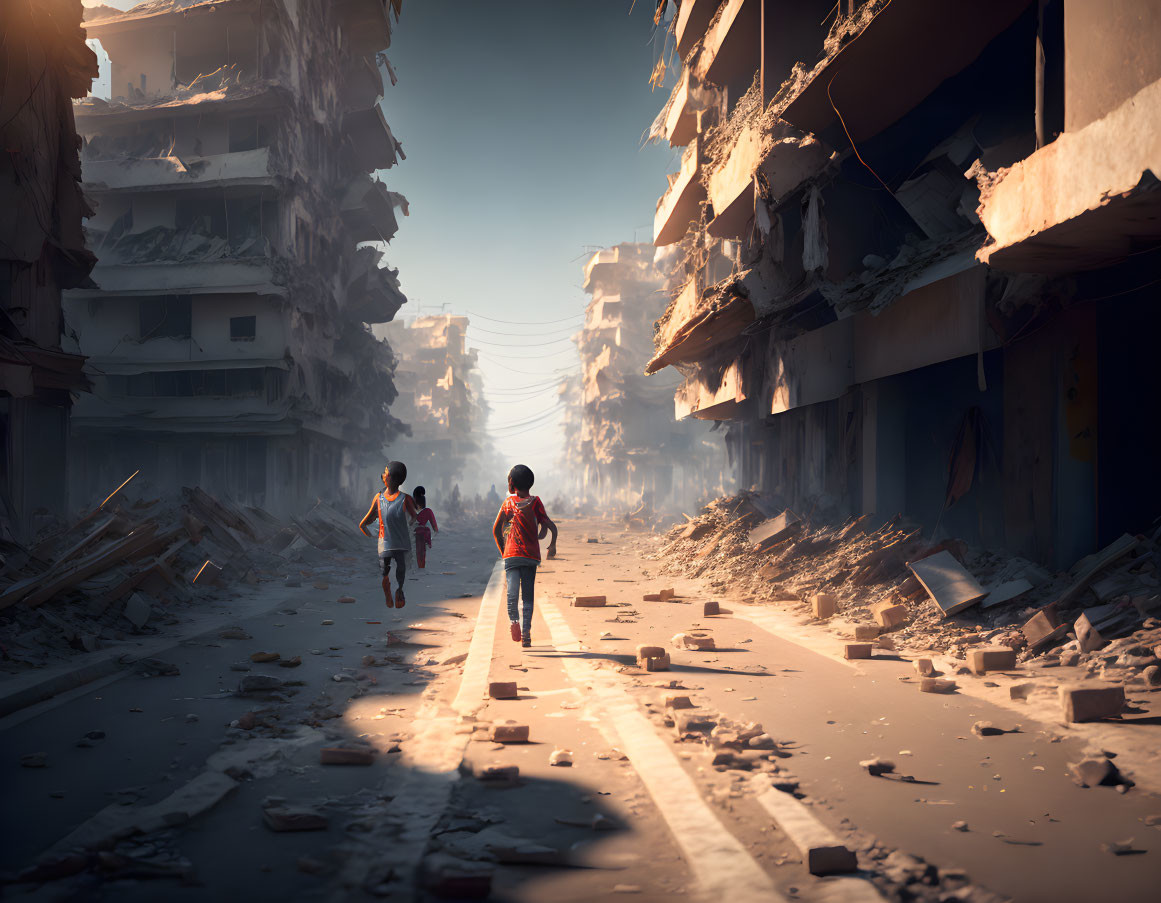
<point>525,322</point>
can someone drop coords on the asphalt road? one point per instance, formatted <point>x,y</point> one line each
<point>639,811</point>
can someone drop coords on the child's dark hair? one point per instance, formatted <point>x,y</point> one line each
<point>420,496</point>
<point>521,477</point>
<point>397,471</point>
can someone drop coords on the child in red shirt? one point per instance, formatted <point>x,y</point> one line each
<point>527,521</point>
<point>424,524</point>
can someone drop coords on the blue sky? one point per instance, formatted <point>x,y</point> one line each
<point>522,122</point>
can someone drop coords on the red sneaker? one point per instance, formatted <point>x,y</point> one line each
<point>399,600</point>
<point>515,632</point>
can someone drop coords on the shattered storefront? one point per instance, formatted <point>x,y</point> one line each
<point>623,446</point>
<point>42,251</point>
<point>918,250</point>
<point>239,229</point>
<point>440,399</point>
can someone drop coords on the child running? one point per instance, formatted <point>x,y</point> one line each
<point>423,519</point>
<point>393,508</point>
<point>525,517</point>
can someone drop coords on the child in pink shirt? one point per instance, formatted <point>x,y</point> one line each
<point>423,519</point>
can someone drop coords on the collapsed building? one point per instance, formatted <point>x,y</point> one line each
<point>623,447</point>
<point>441,398</point>
<point>42,251</point>
<point>239,230</point>
<point>919,247</point>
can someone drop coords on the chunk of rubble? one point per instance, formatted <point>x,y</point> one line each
<point>510,733</point>
<point>234,633</point>
<point>857,650</point>
<point>710,609</point>
<point>503,689</point>
<point>499,774</point>
<point>1093,771</point>
<point>924,667</point>
<point>343,755</point>
<point>823,605</point>
<point>294,818</point>
<point>876,767</point>
<point>560,758</point>
<point>346,600</point>
<point>588,601</point>
<point>992,658</point>
<point>259,683</point>
<point>1091,703</point>
<point>867,632</point>
<point>677,701</point>
<point>936,685</point>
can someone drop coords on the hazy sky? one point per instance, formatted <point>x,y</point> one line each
<point>522,124</point>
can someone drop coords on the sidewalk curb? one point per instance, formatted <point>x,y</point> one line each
<point>29,689</point>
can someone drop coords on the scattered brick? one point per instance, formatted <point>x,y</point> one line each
<point>857,650</point>
<point>936,685</point>
<point>650,651</point>
<point>510,733</point>
<point>656,663</point>
<point>1081,703</point>
<point>888,616</point>
<point>673,701</point>
<point>831,859</point>
<point>991,658</point>
<point>651,597</point>
<point>823,605</point>
<point>667,594</point>
<point>499,774</point>
<point>262,657</point>
<point>503,689</point>
<point>709,609</point>
<point>864,632</point>
<point>924,667</point>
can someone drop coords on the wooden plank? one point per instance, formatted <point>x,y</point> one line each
<point>99,561</point>
<point>950,586</point>
<point>775,529</point>
<point>1094,564</point>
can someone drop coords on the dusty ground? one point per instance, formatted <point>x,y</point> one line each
<point>639,812</point>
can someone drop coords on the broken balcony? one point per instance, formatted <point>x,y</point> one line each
<point>1089,199</point>
<point>366,23</point>
<point>693,17</point>
<point>903,54</point>
<point>368,209</point>
<point>688,105</point>
<point>370,139</point>
<point>697,322</point>
<point>715,395</point>
<point>679,206</point>
<point>778,154</point>
<point>251,167</point>
<point>731,50</point>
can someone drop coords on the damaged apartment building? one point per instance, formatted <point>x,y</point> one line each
<point>919,245</point>
<point>624,446</point>
<point>238,228</point>
<point>42,251</point>
<point>441,398</point>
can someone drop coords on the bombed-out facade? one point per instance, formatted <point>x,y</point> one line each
<point>440,399</point>
<point>42,251</point>
<point>238,228</point>
<point>624,446</point>
<point>918,247</point>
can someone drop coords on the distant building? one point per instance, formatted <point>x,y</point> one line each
<point>919,248</point>
<point>441,399</point>
<point>623,443</point>
<point>229,340</point>
<point>42,250</point>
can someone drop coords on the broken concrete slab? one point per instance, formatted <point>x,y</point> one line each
<point>1088,638</point>
<point>823,852</point>
<point>865,632</point>
<point>947,582</point>
<point>1005,592</point>
<point>775,529</point>
<point>674,701</point>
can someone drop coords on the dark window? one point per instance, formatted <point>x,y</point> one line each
<point>233,383</point>
<point>243,329</point>
<point>166,317</point>
<point>204,214</point>
<point>248,133</point>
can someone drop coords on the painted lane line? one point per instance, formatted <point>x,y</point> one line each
<point>432,758</point>
<point>722,866</point>
<point>474,682</point>
<point>786,628</point>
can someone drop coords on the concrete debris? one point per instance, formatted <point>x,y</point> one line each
<point>499,774</point>
<point>234,633</point>
<point>937,685</point>
<point>560,757</point>
<point>877,767</point>
<point>510,733</point>
<point>1086,703</point>
<point>710,609</point>
<point>857,650</point>
<point>294,818</point>
<point>137,610</point>
<point>588,601</point>
<point>342,755</point>
<point>823,605</point>
<point>1093,771</point>
<point>995,658</point>
<point>262,657</point>
<point>924,667</point>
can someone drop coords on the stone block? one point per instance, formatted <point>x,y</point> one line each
<point>650,651</point>
<point>936,685</point>
<point>831,859</point>
<point>823,605</point>
<point>674,701</point>
<point>709,609</point>
<point>1085,703</point>
<point>499,774</point>
<point>667,594</point>
<point>889,616</point>
<point>656,663</point>
<point>694,721</point>
<point>865,632</point>
<point>503,689</point>
<point>1088,638</point>
<point>991,658</point>
<point>651,597</point>
<point>857,650</point>
<point>588,601</point>
<point>924,667</point>
<point>293,818</point>
<point>510,733</point>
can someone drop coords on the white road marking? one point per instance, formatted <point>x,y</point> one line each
<point>720,863</point>
<point>474,683</point>
<point>787,628</point>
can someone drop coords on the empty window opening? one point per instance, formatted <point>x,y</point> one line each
<point>243,329</point>
<point>166,317</point>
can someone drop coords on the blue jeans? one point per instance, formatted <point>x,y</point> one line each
<point>518,577</point>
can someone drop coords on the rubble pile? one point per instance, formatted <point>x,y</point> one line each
<point>1103,614</point>
<point>136,566</point>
